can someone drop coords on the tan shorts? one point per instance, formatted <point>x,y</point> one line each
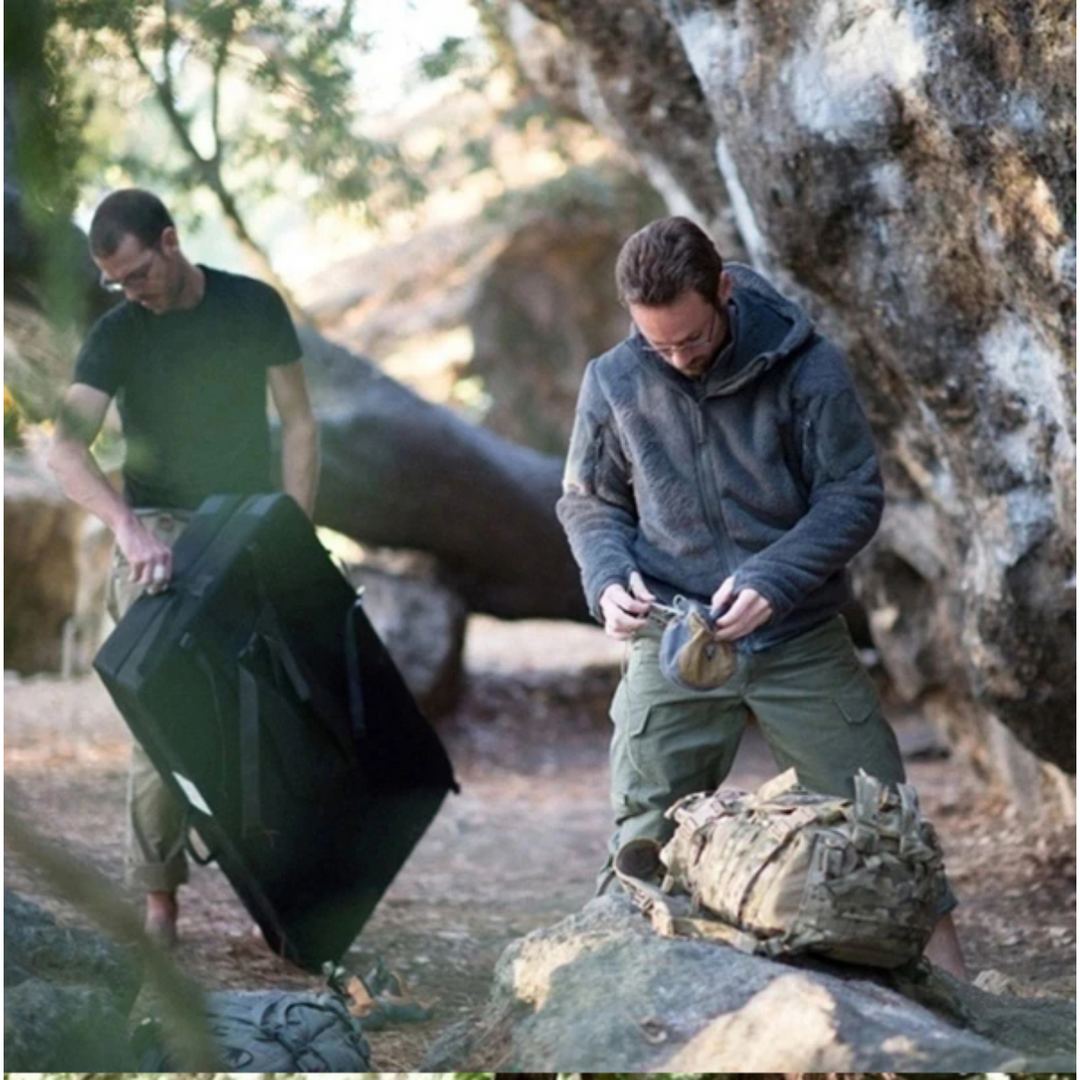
<point>154,856</point>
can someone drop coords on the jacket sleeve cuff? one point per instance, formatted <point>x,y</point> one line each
<point>779,603</point>
<point>598,590</point>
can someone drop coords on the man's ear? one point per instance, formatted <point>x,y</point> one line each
<point>169,241</point>
<point>727,284</point>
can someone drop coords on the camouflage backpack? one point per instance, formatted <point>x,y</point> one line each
<point>783,871</point>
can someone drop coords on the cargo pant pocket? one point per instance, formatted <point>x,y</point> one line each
<point>858,698</point>
<point>664,749</point>
<point>629,714</point>
<point>870,743</point>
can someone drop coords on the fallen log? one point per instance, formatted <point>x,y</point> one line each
<point>399,471</point>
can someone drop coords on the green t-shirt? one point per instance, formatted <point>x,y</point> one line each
<point>191,389</point>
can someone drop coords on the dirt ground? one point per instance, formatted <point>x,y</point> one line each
<point>519,847</point>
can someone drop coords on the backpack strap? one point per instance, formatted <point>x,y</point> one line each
<point>864,834</point>
<point>660,907</point>
<point>357,718</point>
<point>250,754</point>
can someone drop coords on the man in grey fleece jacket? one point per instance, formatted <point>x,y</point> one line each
<point>720,453</point>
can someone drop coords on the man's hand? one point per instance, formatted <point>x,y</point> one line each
<point>749,611</point>
<point>150,560</point>
<point>625,612</point>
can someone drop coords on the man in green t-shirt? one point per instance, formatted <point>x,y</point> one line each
<point>188,356</point>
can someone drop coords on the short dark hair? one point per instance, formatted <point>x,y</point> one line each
<point>128,212</point>
<point>665,259</point>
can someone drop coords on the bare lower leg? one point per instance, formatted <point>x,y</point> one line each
<point>161,914</point>
<point>943,949</point>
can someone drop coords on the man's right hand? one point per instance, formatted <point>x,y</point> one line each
<point>625,612</point>
<point>149,559</point>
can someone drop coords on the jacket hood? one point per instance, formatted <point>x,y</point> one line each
<point>767,328</point>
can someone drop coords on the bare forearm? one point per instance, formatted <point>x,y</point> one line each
<point>300,463</point>
<point>84,483</point>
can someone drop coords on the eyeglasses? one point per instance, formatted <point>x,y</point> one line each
<point>668,352</point>
<point>133,280</point>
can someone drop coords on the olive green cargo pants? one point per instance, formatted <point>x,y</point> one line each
<point>817,707</point>
<point>154,855</point>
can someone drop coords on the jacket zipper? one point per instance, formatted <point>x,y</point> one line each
<point>710,492</point>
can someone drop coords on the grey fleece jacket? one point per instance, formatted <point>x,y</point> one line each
<point>764,467</point>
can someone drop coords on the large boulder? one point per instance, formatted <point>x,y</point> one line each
<point>67,993</point>
<point>41,542</point>
<point>546,304</point>
<point>498,313</point>
<point>57,561</point>
<point>906,172</point>
<point>38,359</point>
<point>601,990</point>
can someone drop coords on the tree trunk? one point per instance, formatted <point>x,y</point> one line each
<point>399,471</point>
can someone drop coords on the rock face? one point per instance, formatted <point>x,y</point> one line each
<point>545,305</point>
<point>601,990</point>
<point>66,994</point>
<point>497,313</point>
<point>906,171</point>
<point>41,542</point>
<point>56,571</point>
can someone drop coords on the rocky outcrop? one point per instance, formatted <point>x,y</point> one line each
<point>544,306</point>
<point>497,313</point>
<point>600,60</point>
<point>67,994</point>
<point>41,543</point>
<point>56,570</point>
<point>601,990</point>
<point>906,171</point>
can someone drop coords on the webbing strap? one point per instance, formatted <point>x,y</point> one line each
<point>352,666</point>
<point>270,627</point>
<point>657,905</point>
<point>864,833</point>
<point>250,796</point>
<point>191,646</point>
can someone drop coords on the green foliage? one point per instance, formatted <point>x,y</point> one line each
<point>47,118</point>
<point>257,97</point>
<point>451,56</point>
<point>45,129</point>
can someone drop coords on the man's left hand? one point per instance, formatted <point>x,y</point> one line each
<point>748,611</point>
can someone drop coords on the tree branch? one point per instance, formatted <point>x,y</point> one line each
<point>221,57</point>
<point>210,172</point>
<point>164,93</point>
